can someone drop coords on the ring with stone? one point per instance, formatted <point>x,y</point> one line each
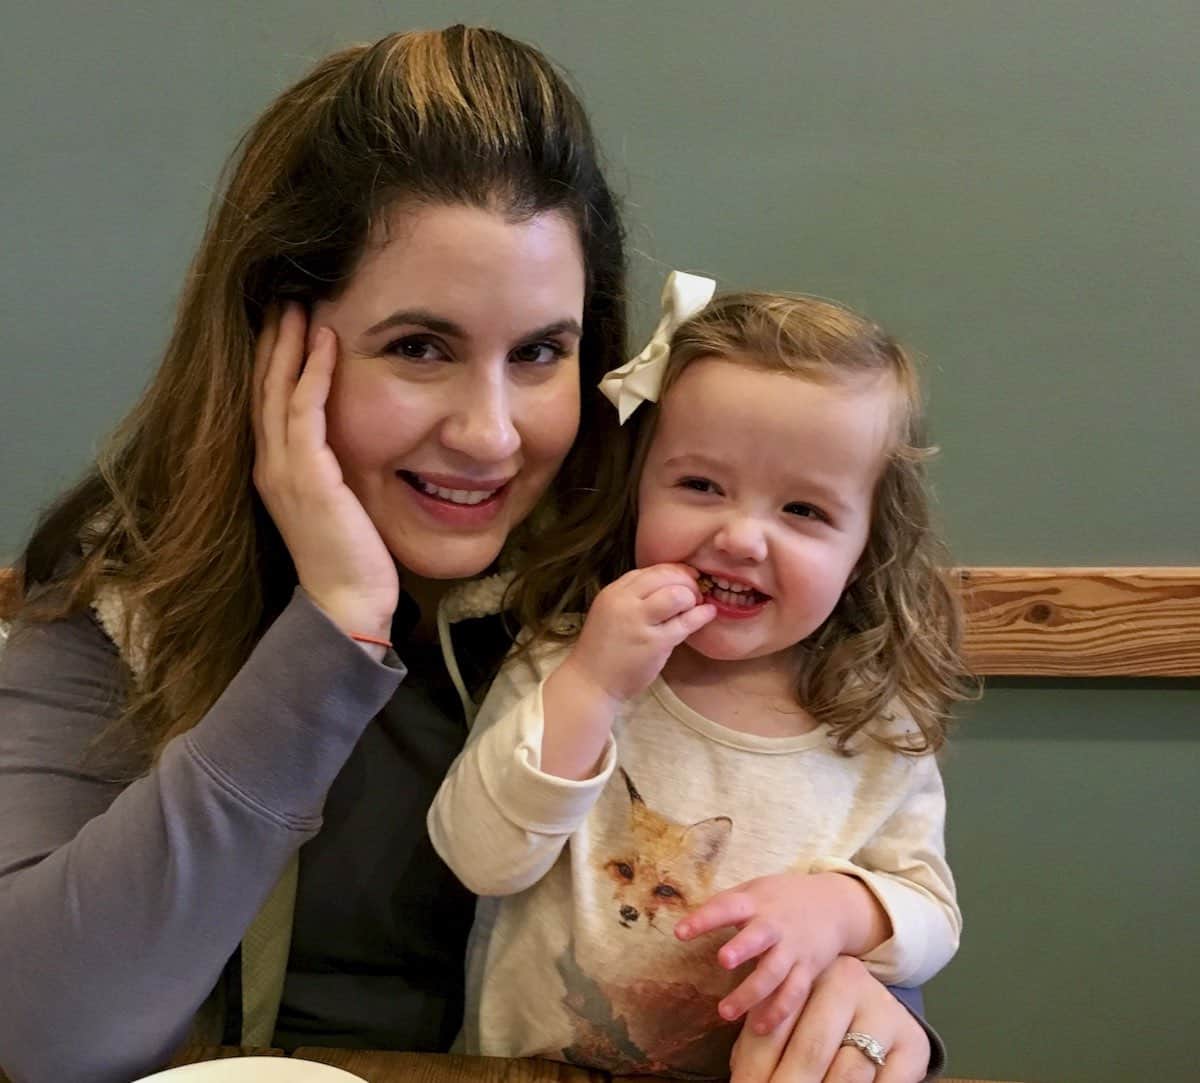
<point>867,1046</point>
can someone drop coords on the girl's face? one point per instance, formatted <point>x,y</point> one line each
<point>456,392</point>
<point>763,482</point>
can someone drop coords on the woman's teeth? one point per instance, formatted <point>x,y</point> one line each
<point>454,496</point>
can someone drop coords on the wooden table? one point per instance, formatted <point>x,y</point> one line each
<point>377,1066</point>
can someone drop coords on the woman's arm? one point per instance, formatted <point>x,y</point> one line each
<point>499,821</point>
<point>119,905</point>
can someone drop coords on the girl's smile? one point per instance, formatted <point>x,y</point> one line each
<point>763,482</point>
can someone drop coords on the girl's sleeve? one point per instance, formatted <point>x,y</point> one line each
<point>120,904</point>
<point>903,863</point>
<point>498,821</point>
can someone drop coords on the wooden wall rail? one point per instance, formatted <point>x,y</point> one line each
<point>1083,622</point>
<point>1072,622</point>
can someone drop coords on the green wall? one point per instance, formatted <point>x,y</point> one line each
<point>1010,185</point>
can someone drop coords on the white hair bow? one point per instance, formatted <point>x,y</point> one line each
<point>640,380</point>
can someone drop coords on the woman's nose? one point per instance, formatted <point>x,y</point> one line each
<point>480,422</point>
<point>742,538</point>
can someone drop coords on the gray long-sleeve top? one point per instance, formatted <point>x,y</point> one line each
<point>119,904</point>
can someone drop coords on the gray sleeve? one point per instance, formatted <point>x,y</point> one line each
<point>915,1003</point>
<point>119,904</point>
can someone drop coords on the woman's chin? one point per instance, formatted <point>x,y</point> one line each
<point>448,558</point>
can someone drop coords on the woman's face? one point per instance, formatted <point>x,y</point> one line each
<point>456,392</point>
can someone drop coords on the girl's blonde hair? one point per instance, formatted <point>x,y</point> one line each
<point>169,516</point>
<point>893,640</point>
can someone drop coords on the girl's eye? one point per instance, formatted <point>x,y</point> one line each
<point>806,511</point>
<point>699,485</point>
<point>539,353</point>
<point>415,348</point>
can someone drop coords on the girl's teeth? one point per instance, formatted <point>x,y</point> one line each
<point>455,496</point>
<point>724,584</point>
<point>742,598</point>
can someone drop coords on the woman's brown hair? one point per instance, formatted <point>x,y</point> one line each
<point>169,516</point>
<point>893,640</point>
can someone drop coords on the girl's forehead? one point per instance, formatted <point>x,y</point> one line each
<point>755,415</point>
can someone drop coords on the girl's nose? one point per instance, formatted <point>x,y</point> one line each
<point>742,538</point>
<point>480,423</point>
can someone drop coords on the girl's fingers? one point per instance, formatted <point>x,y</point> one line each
<point>724,909</point>
<point>766,977</point>
<point>751,942</point>
<point>647,580</point>
<point>686,624</point>
<point>667,602</point>
<point>785,1002</point>
<point>306,413</point>
<point>282,371</point>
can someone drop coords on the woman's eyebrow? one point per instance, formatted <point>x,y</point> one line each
<point>420,317</point>
<point>559,327</point>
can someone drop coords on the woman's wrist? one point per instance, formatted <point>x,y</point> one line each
<point>367,625</point>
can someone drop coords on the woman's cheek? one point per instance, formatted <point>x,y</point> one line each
<point>367,421</point>
<point>556,420</point>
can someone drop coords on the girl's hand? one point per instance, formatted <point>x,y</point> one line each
<point>633,626</point>
<point>341,560</point>
<point>796,925</point>
<point>630,631</point>
<point>808,1048</point>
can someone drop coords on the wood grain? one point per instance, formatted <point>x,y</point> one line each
<point>1083,622</point>
<point>377,1066</point>
<point>380,1067</point>
<point>1068,622</point>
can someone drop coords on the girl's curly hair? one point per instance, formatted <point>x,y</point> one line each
<point>892,643</point>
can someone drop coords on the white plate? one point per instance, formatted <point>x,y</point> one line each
<point>255,1070</point>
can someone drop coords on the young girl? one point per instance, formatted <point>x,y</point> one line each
<point>753,700</point>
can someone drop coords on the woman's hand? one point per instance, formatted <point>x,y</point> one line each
<point>808,1049</point>
<point>341,560</point>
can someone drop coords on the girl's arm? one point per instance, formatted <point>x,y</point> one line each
<point>542,748</point>
<point>892,905</point>
<point>904,866</point>
<point>499,820</point>
<point>120,904</point>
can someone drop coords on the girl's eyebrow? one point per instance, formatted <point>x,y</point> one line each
<point>422,317</point>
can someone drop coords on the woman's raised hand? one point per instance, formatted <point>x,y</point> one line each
<point>341,560</point>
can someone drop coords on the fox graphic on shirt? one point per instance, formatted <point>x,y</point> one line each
<point>649,1011</point>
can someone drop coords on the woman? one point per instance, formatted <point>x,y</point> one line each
<point>407,290</point>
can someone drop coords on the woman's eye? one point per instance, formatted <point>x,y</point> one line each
<point>538,353</point>
<point>699,485</point>
<point>414,348</point>
<point>806,511</point>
